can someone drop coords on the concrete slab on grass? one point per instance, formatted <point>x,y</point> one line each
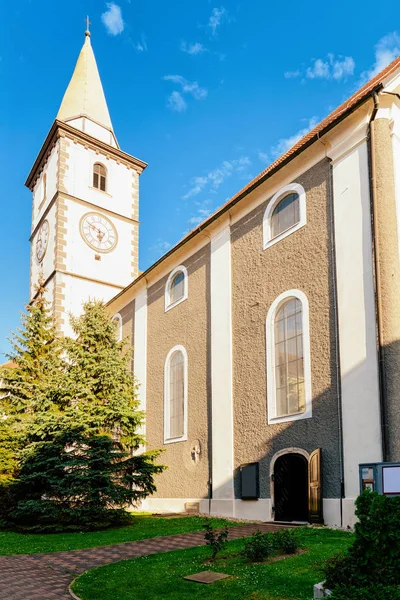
<point>206,577</point>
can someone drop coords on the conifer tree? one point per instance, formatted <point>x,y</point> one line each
<point>31,385</point>
<point>99,383</point>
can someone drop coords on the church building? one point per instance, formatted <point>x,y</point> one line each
<point>267,341</point>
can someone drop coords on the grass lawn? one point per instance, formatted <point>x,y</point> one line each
<point>160,575</point>
<point>143,526</point>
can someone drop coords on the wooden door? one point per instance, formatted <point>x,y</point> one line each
<point>315,487</point>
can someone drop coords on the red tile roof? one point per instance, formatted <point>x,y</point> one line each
<point>373,85</point>
<point>357,98</point>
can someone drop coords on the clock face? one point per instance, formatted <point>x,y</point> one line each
<point>42,240</point>
<point>98,232</point>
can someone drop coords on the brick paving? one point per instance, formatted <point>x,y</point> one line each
<point>47,576</point>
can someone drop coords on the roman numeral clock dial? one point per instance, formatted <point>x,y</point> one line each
<point>42,240</point>
<point>98,232</point>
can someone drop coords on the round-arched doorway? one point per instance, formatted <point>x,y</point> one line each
<point>291,487</point>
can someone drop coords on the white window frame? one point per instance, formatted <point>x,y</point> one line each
<point>167,389</point>
<point>294,188</point>
<point>270,345</point>
<point>168,304</point>
<point>117,317</point>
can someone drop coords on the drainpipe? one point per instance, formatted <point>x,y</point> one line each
<point>378,301</point>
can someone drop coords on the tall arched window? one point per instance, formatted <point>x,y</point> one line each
<point>100,177</point>
<point>175,396</point>
<point>285,214</point>
<point>118,322</point>
<point>176,288</point>
<point>288,358</point>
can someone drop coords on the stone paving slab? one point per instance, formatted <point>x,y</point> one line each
<point>47,576</point>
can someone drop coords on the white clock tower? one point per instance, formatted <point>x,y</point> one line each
<point>85,228</point>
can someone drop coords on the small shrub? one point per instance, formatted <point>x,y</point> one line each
<point>258,547</point>
<point>376,592</point>
<point>374,557</point>
<point>286,541</point>
<point>214,538</point>
<point>339,570</point>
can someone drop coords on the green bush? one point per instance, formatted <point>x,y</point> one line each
<point>214,538</point>
<point>376,592</point>
<point>258,547</point>
<point>286,541</point>
<point>339,570</point>
<point>374,557</point>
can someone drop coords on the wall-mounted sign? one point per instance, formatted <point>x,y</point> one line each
<point>391,479</point>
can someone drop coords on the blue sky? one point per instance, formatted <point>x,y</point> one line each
<point>208,93</point>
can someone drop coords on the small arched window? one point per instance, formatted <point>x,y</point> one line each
<point>176,289</point>
<point>100,177</point>
<point>288,358</point>
<point>117,319</point>
<point>285,213</point>
<point>175,396</point>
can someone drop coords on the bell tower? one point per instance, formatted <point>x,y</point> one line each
<point>85,210</point>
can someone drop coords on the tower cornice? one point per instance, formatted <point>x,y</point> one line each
<point>60,129</point>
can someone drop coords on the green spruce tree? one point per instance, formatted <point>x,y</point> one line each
<point>73,418</point>
<point>31,384</point>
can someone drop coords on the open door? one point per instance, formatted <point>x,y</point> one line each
<point>315,487</point>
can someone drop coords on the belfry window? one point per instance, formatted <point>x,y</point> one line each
<point>100,177</point>
<point>175,396</point>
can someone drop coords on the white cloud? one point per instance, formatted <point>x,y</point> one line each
<point>264,158</point>
<point>292,74</point>
<point>160,247</point>
<point>333,67</point>
<point>188,87</point>
<point>341,69</point>
<point>215,19</point>
<point>284,144</point>
<point>141,45</point>
<point>320,69</point>
<point>386,50</point>
<point>198,218</point>
<point>337,68</point>
<point>177,102</point>
<point>112,19</point>
<point>216,177</point>
<point>193,49</point>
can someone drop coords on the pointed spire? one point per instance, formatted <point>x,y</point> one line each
<point>85,95</point>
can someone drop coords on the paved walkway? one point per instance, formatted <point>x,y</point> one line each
<point>47,576</point>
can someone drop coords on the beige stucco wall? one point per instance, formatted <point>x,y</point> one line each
<point>300,261</point>
<point>389,277</point>
<point>186,324</point>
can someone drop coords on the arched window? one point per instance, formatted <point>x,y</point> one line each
<point>285,213</point>
<point>175,395</point>
<point>117,319</point>
<point>176,289</point>
<point>288,358</point>
<point>100,177</point>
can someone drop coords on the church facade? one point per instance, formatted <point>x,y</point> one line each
<point>267,341</point>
